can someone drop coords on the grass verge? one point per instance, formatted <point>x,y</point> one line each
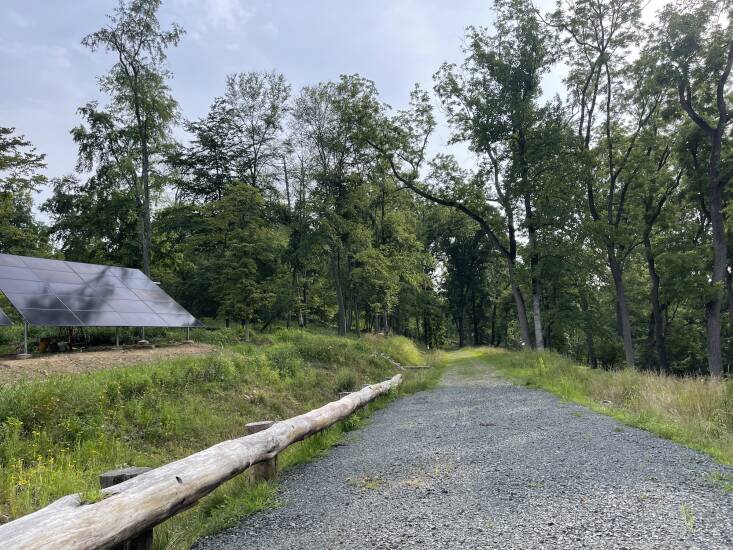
<point>58,434</point>
<point>694,411</point>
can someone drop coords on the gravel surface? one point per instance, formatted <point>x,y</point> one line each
<point>478,463</point>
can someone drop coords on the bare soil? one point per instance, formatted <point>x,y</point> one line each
<point>14,370</point>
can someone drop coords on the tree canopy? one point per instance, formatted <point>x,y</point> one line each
<point>596,222</point>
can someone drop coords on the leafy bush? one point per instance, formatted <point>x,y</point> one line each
<point>346,380</point>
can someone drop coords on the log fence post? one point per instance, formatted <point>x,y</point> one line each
<point>267,469</point>
<point>143,541</point>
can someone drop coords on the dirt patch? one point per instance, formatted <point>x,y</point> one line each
<point>16,370</point>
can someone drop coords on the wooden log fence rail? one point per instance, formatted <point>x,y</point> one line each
<point>133,507</point>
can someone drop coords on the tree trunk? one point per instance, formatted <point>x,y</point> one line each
<point>660,343</point>
<point>650,361</point>
<point>147,242</point>
<point>537,318</point>
<point>521,308</point>
<point>493,324</point>
<point>475,318</point>
<point>304,309</point>
<point>730,300</point>
<point>287,183</point>
<point>339,293</point>
<point>460,325</point>
<point>356,318</point>
<point>145,176</point>
<point>588,326</point>
<point>298,302</point>
<point>534,265</point>
<point>144,251</point>
<point>713,307</point>
<point>624,318</point>
<point>349,316</point>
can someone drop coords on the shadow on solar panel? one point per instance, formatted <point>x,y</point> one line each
<point>72,294</point>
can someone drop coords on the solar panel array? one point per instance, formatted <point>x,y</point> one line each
<point>4,321</point>
<point>72,294</point>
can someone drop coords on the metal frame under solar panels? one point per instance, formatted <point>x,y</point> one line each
<point>73,294</point>
<point>4,319</point>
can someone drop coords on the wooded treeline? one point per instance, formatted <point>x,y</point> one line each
<point>596,222</point>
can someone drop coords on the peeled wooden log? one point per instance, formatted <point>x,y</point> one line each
<point>389,360</point>
<point>152,497</point>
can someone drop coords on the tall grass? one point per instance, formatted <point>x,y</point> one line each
<point>58,434</point>
<point>694,411</point>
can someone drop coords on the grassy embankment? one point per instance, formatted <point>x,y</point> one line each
<point>58,434</point>
<point>696,412</point>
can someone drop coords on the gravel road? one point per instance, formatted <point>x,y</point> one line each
<point>479,463</point>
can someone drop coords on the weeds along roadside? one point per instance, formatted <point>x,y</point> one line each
<point>58,434</point>
<point>694,411</point>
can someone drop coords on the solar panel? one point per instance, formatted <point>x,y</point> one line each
<point>4,321</point>
<point>73,294</point>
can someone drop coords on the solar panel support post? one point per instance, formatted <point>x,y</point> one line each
<point>143,341</point>
<point>25,354</point>
<point>188,336</point>
<point>117,337</point>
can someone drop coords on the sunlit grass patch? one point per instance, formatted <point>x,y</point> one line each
<point>57,435</point>
<point>721,480</point>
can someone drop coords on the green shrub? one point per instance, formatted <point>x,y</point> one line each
<point>346,380</point>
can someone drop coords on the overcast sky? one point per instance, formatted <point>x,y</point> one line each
<point>47,75</point>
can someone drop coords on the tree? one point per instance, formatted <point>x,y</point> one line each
<point>20,176</point>
<point>597,37</point>
<point>239,140</point>
<point>330,118</point>
<point>459,244</point>
<point>256,104</point>
<point>206,165</point>
<point>93,221</point>
<point>142,107</point>
<point>697,45</point>
<point>491,101</point>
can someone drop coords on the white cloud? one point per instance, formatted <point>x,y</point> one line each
<point>270,29</point>
<point>227,14</point>
<point>200,17</point>
<point>18,20</point>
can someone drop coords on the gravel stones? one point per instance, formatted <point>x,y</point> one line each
<point>484,464</point>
